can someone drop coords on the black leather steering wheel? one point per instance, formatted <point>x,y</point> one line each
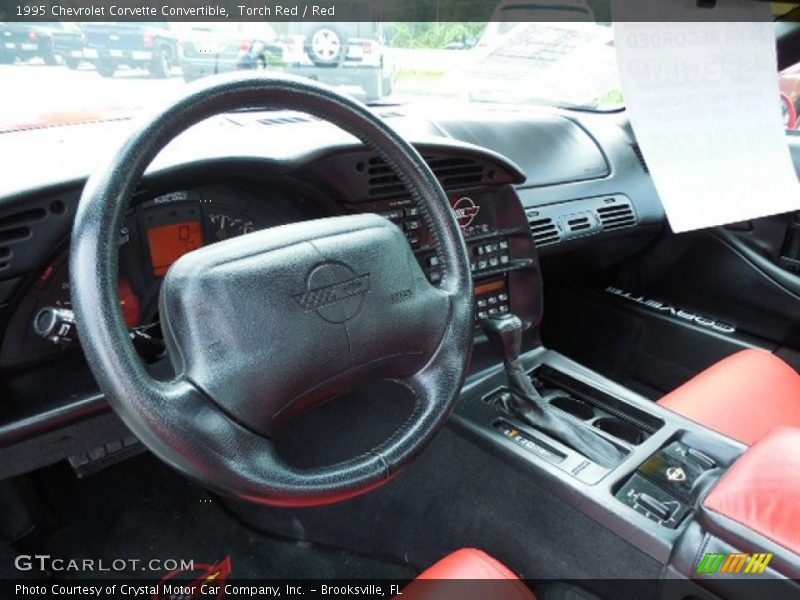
<point>271,323</point>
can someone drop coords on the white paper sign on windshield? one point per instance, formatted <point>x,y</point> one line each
<point>704,103</point>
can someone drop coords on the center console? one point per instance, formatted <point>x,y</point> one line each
<point>663,494</point>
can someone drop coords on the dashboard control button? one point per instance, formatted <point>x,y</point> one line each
<point>494,261</point>
<point>412,225</point>
<point>481,265</point>
<point>481,303</point>
<point>433,261</point>
<point>504,259</point>
<point>504,245</point>
<point>411,211</point>
<point>435,276</point>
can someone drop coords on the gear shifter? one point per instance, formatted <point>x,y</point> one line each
<point>505,334</point>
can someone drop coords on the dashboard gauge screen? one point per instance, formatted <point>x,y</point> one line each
<point>169,242</point>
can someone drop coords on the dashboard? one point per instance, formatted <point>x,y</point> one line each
<point>251,172</point>
<point>163,224</point>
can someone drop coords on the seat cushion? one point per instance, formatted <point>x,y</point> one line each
<point>743,396</point>
<point>468,565</point>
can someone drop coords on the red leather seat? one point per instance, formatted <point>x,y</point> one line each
<point>761,491</point>
<point>743,396</point>
<point>468,565</point>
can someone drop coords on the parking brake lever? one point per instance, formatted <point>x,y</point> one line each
<point>505,334</point>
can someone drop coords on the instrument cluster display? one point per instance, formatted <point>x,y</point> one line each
<point>167,243</point>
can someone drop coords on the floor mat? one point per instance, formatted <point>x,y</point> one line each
<point>143,510</point>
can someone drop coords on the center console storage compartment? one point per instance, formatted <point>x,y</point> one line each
<point>619,419</point>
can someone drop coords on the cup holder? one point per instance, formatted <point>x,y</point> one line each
<point>573,406</point>
<point>620,429</point>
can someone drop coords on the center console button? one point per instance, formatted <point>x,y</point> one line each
<point>701,459</point>
<point>659,509</point>
<point>653,502</point>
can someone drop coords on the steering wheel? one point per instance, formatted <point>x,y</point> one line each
<point>271,323</point>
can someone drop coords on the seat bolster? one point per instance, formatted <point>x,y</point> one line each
<point>468,563</point>
<point>744,396</point>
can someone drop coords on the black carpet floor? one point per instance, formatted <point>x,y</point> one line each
<point>143,510</point>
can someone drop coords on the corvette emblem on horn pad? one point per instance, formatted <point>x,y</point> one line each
<point>335,291</point>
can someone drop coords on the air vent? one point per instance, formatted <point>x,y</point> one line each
<point>544,231</point>
<point>15,228</point>
<point>640,157</point>
<point>579,224</point>
<point>391,114</point>
<point>616,216</point>
<point>580,219</point>
<point>452,172</point>
<point>287,120</point>
<point>456,172</point>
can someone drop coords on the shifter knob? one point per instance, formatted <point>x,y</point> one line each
<point>505,333</point>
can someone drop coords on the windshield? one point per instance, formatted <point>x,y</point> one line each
<point>62,73</point>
